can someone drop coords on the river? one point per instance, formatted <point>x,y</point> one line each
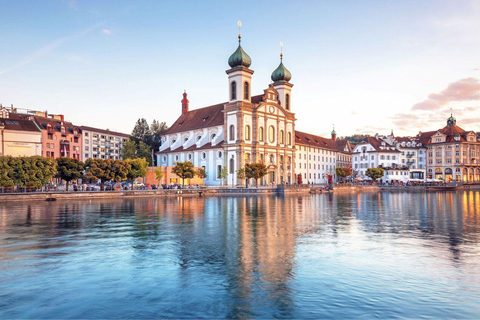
<point>384,255</point>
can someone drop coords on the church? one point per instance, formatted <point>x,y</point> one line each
<point>249,129</point>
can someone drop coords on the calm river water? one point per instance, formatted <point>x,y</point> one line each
<point>330,256</point>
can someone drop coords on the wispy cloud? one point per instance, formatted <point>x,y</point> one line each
<point>49,48</point>
<point>106,31</point>
<point>467,89</point>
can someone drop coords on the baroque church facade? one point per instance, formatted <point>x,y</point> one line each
<point>246,129</point>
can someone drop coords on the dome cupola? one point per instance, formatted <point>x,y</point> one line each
<point>451,121</point>
<point>239,58</point>
<point>281,73</point>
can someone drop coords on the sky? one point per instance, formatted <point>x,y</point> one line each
<point>365,67</point>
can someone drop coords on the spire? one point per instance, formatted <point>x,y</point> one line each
<point>239,58</point>
<point>281,73</point>
<point>334,134</point>
<point>184,102</point>
<point>451,121</point>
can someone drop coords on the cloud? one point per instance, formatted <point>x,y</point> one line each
<point>49,48</point>
<point>471,120</point>
<point>467,89</point>
<point>106,31</point>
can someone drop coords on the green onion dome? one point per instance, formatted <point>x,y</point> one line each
<point>281,73</point>
<point>333,132</point>
<point>451,121</point>
<point>239,58</point>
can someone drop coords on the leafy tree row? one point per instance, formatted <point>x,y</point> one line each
<point>37,171</point>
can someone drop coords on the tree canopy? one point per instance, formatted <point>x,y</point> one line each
<point>135,168</point>
<point>374,173</point>
<point>255,171</point>
<point>69,169</point>
<point>33,171</point>
<point>105,170</point>
<point>184,170</point>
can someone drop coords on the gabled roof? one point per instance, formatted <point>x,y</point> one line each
<point>303,138</point>
<point>199,118</point>
<point>342,144</point>
<point>376,144</point>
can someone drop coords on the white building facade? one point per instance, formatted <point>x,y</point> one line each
<point>102,144</point>
<point>248,129</point>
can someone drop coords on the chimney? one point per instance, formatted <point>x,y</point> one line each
<point>184,103</point>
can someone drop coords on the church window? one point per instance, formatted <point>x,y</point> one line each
<point>199,137</point>
<point>176,158</point>
<point>219,154</point>
<point>281,136</point>
<point>247,132</point>
<point>233,90</point>
<point>189,156</point>
<point>246,91</point>
<point>219,171</point>
<point>213,136</point>
<point>287,101</point>
<point>271,134</point>
<point>204,155</point>
<point>232,165</point>
<point>260,134</point>
<point>232,132</point>
<point>289,138</point>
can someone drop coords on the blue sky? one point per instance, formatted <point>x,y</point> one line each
<point>365,66</point>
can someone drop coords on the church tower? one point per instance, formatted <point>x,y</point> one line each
<point>237,129</point>
<point>184,103</point>
<point>281,77</point>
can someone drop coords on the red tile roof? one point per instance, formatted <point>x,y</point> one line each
<point>20,125</point>
<point>303,138</point>
<point>198,118</point>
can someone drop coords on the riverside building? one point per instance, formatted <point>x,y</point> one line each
<point>453,153</point>
<point>102,144</point>
<point>246,129</point>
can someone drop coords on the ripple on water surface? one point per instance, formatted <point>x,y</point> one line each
<point>322,256</point>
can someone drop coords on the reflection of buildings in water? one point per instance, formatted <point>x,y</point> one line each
<point>453,215</point>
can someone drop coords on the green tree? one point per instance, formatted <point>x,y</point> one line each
<point>141,131</point>
<point>26,171</point>
<point>374,173</point>
<point>223,174</point>
<point>105,170</point>
<point>159,174</point>
<point>255,171</point>
<point>343,172</point>
<point>157,128</point>
<point>184,170</point>
<point>201,173</point>
<point>129,150</point>
<point>144,151</point>
<point>355,139</point>
<point>69,169</point>
<point>6,172</point>
<point>135,168</point>
<point>241,175</point>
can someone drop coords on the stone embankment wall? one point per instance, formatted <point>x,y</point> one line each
<point>86,195</point>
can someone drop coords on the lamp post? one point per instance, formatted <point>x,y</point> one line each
<point>2,128</point>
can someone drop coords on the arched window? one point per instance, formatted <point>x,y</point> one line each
<point>232,165</point>
<point>246,92</point>
<point>232,132</point>
<point>247,132</point>
<point>289,138</point>
<point>287,101</point>
<point>281,136</point>
<point>233,90</point>
<point>260,134</point>
<point>271,134</point>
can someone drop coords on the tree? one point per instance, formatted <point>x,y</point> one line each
<point>135,168</point>
<point>33,171</point>
<point>241,174</point>
<point>255,171</point>
<point>223,174</point>
<point>6,172</point>
<point>201,173</point>
<point>69,169</point>
<point>129,150</point>
<point>157,129</point>
<point>159,174</point>
<point>374,173</point>
<point>184,170</point>
<point>144,151</point>
<point>133,150</point>
<point>141,131</point>
<point>343,172</point>
<point>105,170</point>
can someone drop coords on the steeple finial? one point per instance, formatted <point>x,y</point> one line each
<point>281,51</point>
<point>239,31</point>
